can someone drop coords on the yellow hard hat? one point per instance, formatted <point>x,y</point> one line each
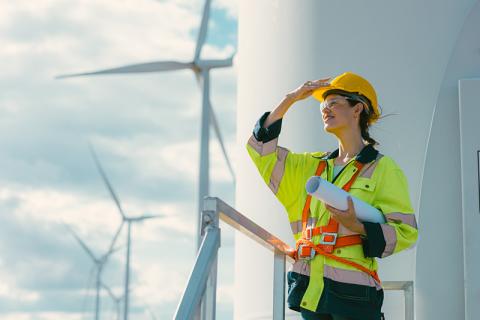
<point>352,83</point>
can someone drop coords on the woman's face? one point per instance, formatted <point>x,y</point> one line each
<point>338,115</point>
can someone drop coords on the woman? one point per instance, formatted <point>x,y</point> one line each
<point>335,272</point>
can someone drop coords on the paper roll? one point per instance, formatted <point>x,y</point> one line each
<point>337,198</point>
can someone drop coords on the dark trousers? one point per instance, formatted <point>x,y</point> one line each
<point>309,315</point>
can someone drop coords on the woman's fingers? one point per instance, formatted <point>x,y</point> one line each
<point>349,210</point>
<point>350,203</point>
<point>317,83</point>
<point>307,88</point>
<point>322,81</point>
<point>333,210</point>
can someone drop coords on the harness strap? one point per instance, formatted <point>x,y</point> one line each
<point>332,226</point>
<point>330,231</point>
<point>306,207</point>
<point>320,251</point>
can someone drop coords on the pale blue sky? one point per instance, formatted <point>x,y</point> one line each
<point>145,129</point>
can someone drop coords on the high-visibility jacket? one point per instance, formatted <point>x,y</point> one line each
<point>322,284</point>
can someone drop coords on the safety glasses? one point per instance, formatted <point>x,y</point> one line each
<point>334,102</point>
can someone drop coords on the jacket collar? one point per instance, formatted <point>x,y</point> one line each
<point>368,154</point>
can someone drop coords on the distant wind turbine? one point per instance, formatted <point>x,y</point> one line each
<point>116,300</point>
<point>98,261</point>
<point>125,219</point>
<point>201,69</point>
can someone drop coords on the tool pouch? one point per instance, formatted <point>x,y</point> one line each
<point>297,285</point>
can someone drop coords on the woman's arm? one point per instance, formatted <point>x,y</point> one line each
<point>400,230</point>
<point>278,166</point>
<point>279,111</point>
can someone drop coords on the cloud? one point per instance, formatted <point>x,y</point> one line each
<point>145,129</point>
<point>42,316</point>
<point>230,6</point>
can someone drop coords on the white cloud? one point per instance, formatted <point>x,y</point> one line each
<point>42,316</point>
<point>180,160</point>
<point>10,292</point>
<point>145,128</point>
<point>231,6</point>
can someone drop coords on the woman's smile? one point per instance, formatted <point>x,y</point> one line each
<point>326,118</point>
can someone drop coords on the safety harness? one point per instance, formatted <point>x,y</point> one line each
<point>329,239</point>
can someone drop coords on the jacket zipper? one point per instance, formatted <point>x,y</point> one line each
<point>338,175</point>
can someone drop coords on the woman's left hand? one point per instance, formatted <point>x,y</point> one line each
<point>347,218</point>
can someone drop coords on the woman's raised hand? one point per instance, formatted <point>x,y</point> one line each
<point>302,92</point>
<point>306,89</point>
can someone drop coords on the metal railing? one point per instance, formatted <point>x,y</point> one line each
<point>199,298</point>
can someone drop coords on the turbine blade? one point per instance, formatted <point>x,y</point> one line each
<point>82,244</point>
<point>148,216</point>
<point>106,181</point>
<point>216,128</point>
<point>202,33</point>
<point>217,63</point>
<point>109,291</point>
<point>111,249</point>
<point>136,68</point>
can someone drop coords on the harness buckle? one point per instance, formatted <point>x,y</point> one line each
<point>307,234</point>
<point>328,238</point>
<point>305,252</point>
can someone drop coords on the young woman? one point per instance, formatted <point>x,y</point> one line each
<point>335,272</point>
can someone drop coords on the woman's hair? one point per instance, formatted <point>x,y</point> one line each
<point>364,125</point>
<point>365,115</point>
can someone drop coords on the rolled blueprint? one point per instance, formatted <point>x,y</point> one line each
<point>337,198</point>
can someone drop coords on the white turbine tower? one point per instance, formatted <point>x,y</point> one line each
<point>201,68</point>
<point>127,220</point>
<point>98,261</point>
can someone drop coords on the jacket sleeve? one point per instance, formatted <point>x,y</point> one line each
<point>279,168</point>
<point>400,230</point>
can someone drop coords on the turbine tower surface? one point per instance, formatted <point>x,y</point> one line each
<point>454,138</point>
<point>415,67</point>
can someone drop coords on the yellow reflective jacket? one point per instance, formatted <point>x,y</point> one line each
<point>330,286</point>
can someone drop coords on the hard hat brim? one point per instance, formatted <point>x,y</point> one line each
<point>318,93</point>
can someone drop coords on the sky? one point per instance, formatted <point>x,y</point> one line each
<point>145,129</point>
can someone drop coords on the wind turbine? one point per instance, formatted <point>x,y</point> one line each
<point>116,300</point>
<point>201,69</point>
<point>128,221</point>
<point>98,261</point>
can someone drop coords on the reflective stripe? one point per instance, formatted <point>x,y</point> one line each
<point>368,170</point>
<point>301,266</point>
<point>350,276</point>
<point>390,239</point>
<point>278,169</point>
<point>344,231</point>
<point>407,218</point>
<point>297,225</point>
<point>263,148</point>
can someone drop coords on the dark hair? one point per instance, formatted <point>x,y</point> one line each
<point>365,115</point>
<point>364,125</point>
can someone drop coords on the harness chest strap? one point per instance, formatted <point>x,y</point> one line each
<point>329,232</point>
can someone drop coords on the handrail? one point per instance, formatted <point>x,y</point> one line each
<point>199,297</point>
<point>408,293</point>
<point>246,226</point>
